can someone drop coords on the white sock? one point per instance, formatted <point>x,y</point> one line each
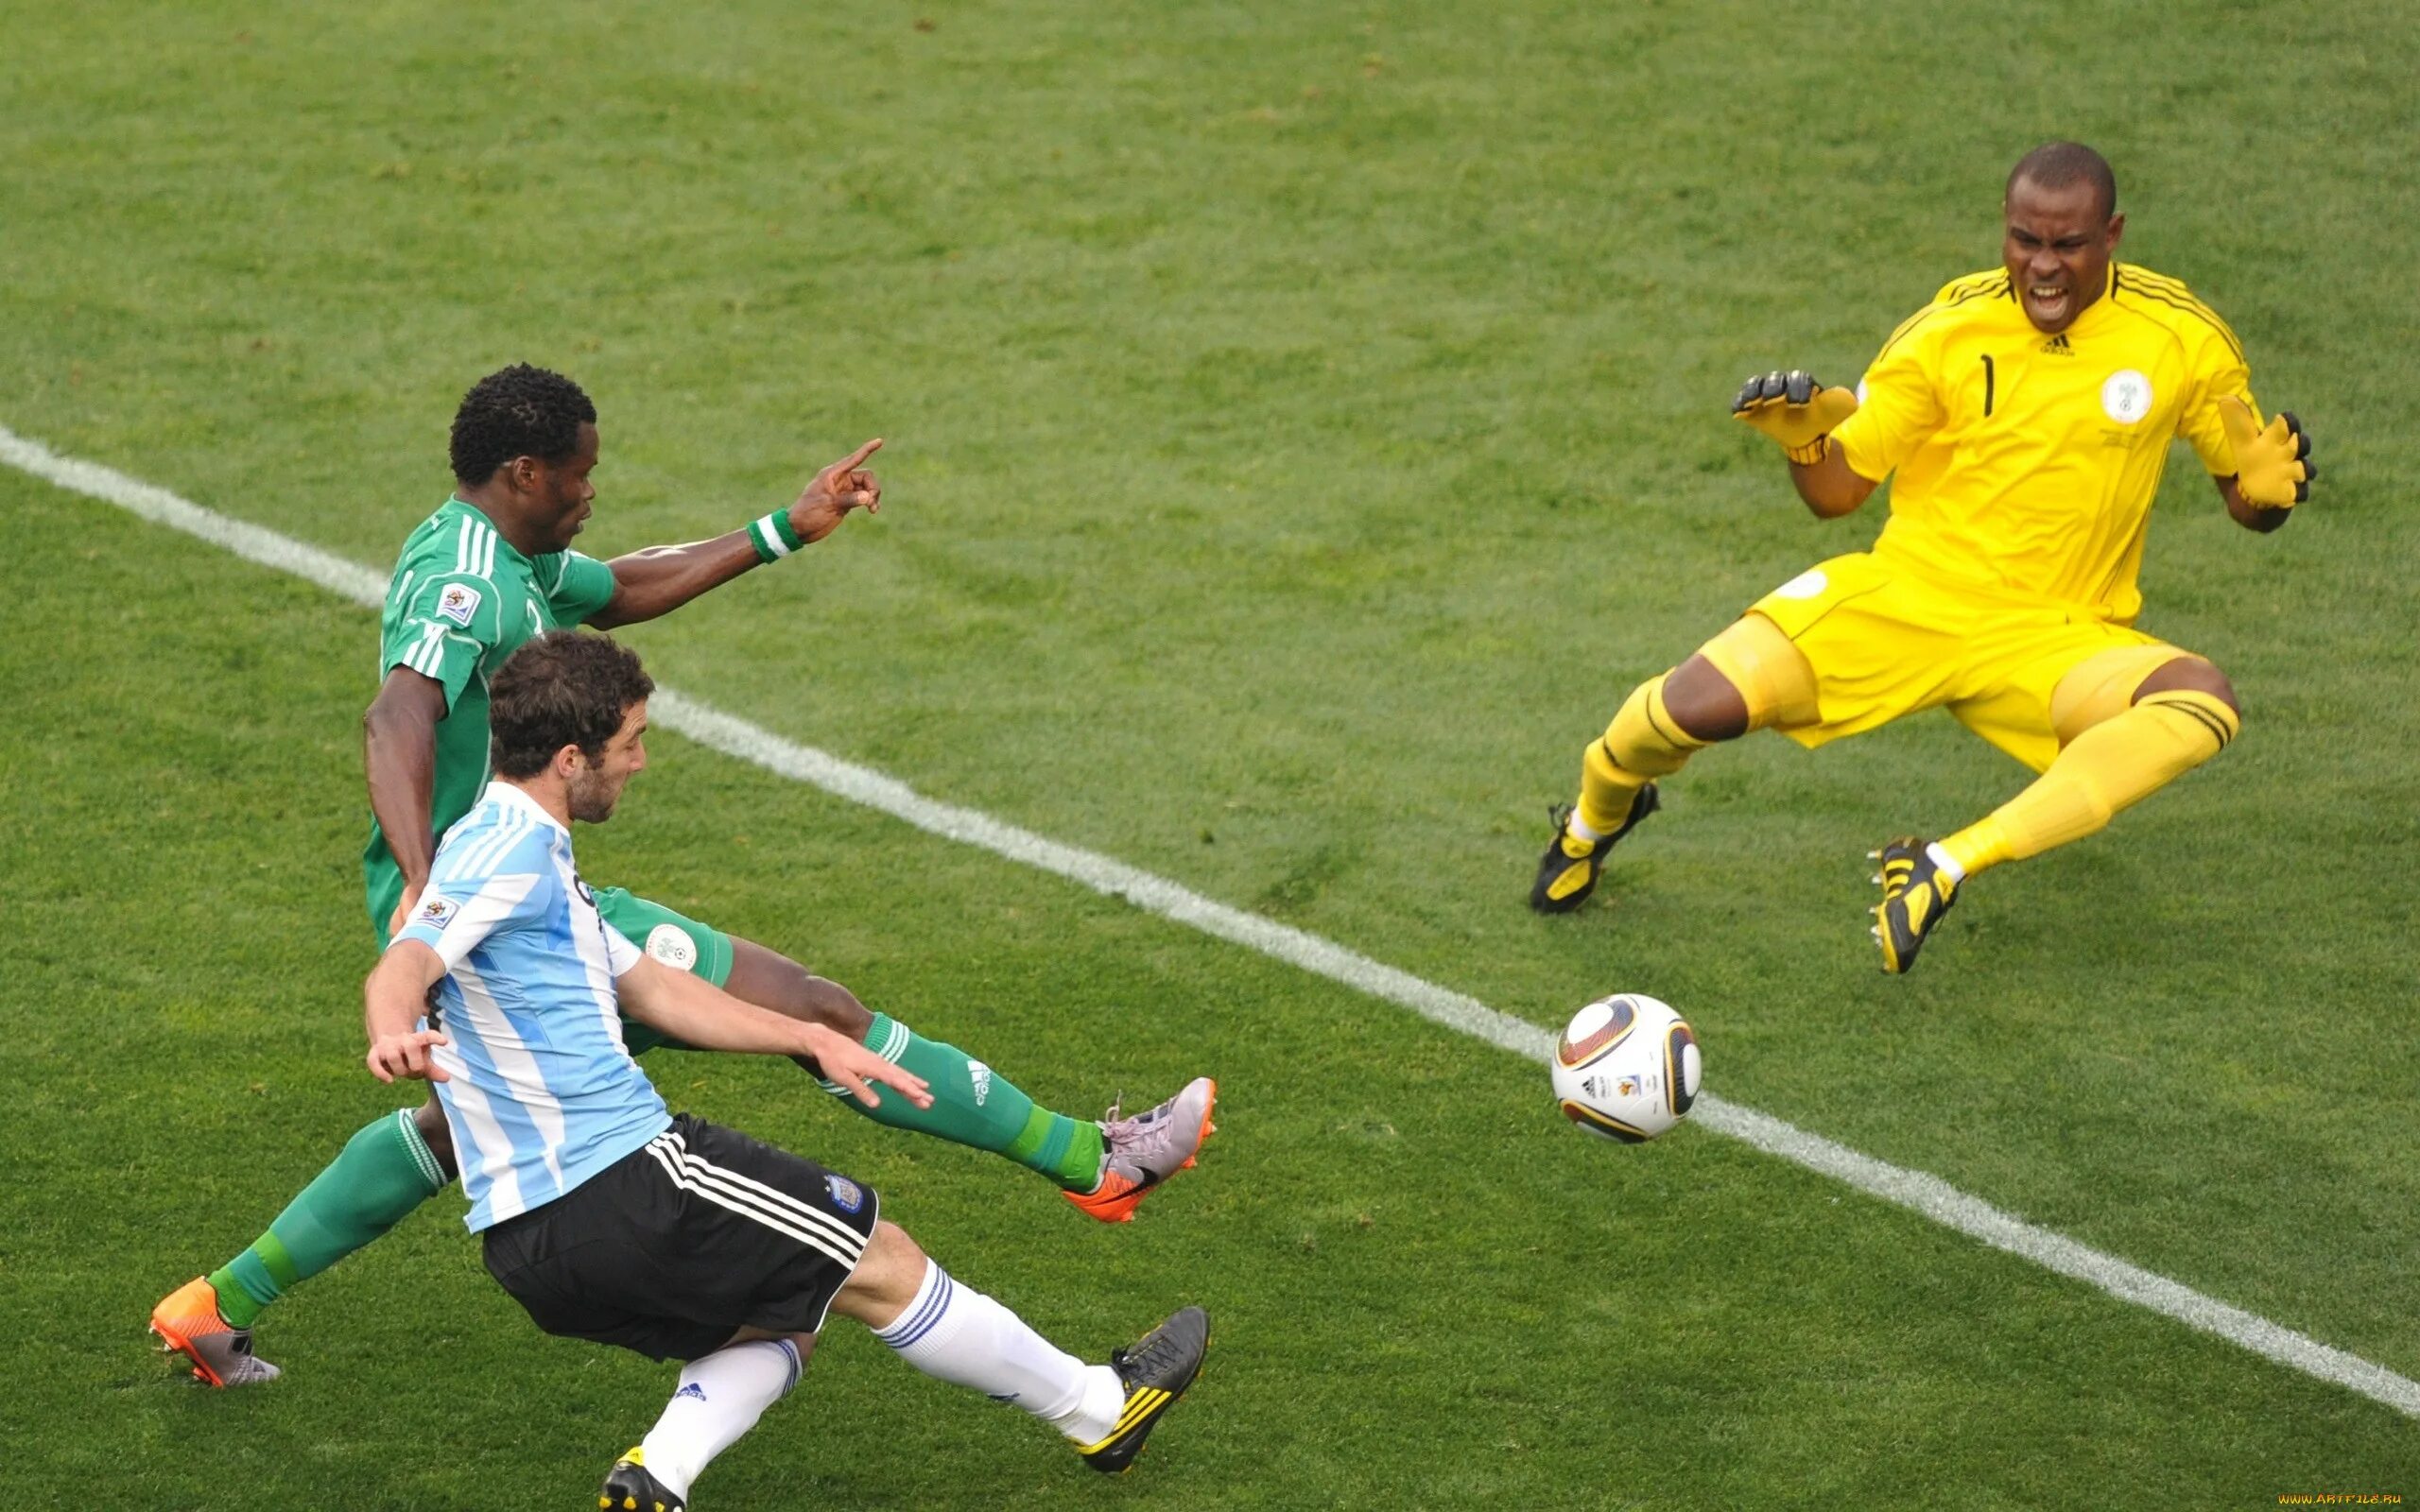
<point>955,1333</point>
<point>722,1396</point>
<point>1579,828</point>
<point>1941,858</point>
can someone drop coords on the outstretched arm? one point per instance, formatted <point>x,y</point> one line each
<point>660,579</point>
<point>703,1016</point>
<point>399,759</point>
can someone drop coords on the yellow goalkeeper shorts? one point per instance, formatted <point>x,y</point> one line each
<point>1885,642</point>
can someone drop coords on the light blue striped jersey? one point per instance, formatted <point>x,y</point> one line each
<point>542,1092</point>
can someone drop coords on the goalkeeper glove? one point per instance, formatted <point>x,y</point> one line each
<point>2272,467</point>
<point>1794,410</point>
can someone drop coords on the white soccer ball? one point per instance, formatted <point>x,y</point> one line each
<point>1627,1067</point>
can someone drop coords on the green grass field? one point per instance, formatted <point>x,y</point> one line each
<point>1305,424</point>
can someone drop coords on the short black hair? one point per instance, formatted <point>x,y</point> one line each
<point>2064,164</point>
<point>563,688</point>
<point>517,411</point>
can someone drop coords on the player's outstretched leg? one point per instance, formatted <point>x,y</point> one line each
<point>1751,677</point>
<point>1104,1168</point>
<point>1617,790</point>
<point>384,1172</point>
<point>944,1328</point>
<point>2126,736</point>
<point>953,1332</point>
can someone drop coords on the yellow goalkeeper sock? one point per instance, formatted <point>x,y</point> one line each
<point>1643,743</point>
<point>2111,766</point>
<point>1773,678</point>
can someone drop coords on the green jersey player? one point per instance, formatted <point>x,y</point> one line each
<point>491,568</point>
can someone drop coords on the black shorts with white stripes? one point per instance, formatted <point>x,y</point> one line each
<point>684,1241</point>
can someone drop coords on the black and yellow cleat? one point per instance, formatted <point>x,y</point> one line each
<point>630,1488</point>
<point>1568,870</point>
<point>1916,894</point>
<point>1155,1372</point>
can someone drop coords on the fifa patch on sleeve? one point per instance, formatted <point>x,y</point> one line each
<point>434,913</point>
<point>458,603</point>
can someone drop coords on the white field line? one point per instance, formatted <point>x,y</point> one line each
<point>1926,1195</point>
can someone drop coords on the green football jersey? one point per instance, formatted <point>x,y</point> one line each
<point>461,600</point>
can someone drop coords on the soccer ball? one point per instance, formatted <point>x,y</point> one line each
<point>1626,1068</point>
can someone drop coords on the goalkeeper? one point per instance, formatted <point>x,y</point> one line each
<point>2027,413</point>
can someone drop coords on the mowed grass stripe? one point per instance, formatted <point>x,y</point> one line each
<point>1914,1190</point>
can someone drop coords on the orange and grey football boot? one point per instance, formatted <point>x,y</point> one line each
<point>188,1323</point>
<point>1141,1152</point>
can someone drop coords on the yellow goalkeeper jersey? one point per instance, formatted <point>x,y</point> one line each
<point>2025,463</point>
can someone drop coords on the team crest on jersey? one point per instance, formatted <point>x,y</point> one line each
<point>2126,396</point>
<point>846,1194</point>
<point>458,603</point>
<point>672,944</point>
<point>436,912</point>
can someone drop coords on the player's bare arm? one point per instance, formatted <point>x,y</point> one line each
<point>703,1016</point>
<point>659,579</point>
<point>1830,487</point>
<point>399,760</point>
<point>393,998</point>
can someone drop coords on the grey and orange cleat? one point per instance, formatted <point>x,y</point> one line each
<point>1567,873</point>
<point>631,1486</point>
<point>1141,1152</point>
<point>1916,894</point>
<point>1154,1373</point>
<point>188,1323</point>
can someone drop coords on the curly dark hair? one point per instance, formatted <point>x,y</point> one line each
<point>517,411</point>
<point>2063,164</point>
<point>563,688</point>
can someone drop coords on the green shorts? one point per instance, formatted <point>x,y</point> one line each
<point>670,937</point>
